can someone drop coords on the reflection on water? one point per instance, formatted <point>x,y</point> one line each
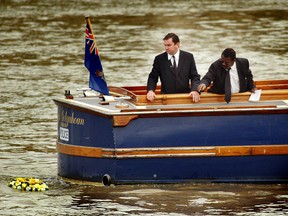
<point>41,55</point>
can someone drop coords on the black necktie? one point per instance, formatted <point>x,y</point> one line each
<point>227,87</point>
<point>174,63</point>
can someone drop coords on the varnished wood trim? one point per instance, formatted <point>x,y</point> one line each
<point>118,91</point>
<point>79,150</point>
<point>123,120</point>
<point>270,82</point>
<point>270,150</point>
<point>165,152</point>
<point>201,108</point>
<point>83,151</point>
<point>220,151</point>
<point>252,150</point>
<point>260,84</point>
<point>168,99</point>
<point>212,112</point>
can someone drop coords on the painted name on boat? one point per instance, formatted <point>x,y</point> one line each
<point>66,119</point>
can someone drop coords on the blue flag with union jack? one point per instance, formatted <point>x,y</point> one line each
<point>93,63</point>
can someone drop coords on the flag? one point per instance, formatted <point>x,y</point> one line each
<point>93,63</point>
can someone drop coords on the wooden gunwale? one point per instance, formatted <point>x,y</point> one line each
<point>273,94</point>
<point>260,84</point>
<point>271,90</point>
<point>197,151</point>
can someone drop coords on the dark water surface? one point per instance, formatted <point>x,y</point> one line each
<point>41,55</point>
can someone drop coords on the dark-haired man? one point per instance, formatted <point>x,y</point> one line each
<point>228,75</point>
<point>175,68</point>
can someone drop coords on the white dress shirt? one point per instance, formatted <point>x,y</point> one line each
<point>176,58</point>
<point>234,79</point>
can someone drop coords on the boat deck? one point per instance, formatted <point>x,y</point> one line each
<point>128,103</point>
<point>119,106</point>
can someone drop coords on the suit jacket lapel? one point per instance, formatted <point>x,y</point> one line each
<point>240,75</point>
<point>237,66</point>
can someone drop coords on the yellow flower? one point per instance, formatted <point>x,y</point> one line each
<point>20,179</point>
<point>28,184</point>
<point>34,181</point>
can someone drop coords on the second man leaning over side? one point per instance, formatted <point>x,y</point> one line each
<point>228,75</point>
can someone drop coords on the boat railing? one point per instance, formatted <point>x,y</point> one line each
<point>271,90</point>
<point>260,84</point>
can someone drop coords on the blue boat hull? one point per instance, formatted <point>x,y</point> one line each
<point>172,170</point>
<point>87,130</point>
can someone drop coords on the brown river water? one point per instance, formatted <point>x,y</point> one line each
<point>41,55</point>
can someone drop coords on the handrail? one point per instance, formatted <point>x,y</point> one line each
<point>260,84</point>
<point>165,99</point>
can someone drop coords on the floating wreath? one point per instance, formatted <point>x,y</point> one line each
<point>28,184</point>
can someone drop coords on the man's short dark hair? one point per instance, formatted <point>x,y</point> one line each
<point>174,37</point>
<point>229,53</point>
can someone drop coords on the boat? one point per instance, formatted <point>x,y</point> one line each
<point>125,139</point>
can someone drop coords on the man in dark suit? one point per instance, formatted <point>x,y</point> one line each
<point>227,76</point>
<point>175,68</point>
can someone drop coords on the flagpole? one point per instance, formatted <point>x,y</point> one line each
<point>90,26</point>
<point>89,23</point>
